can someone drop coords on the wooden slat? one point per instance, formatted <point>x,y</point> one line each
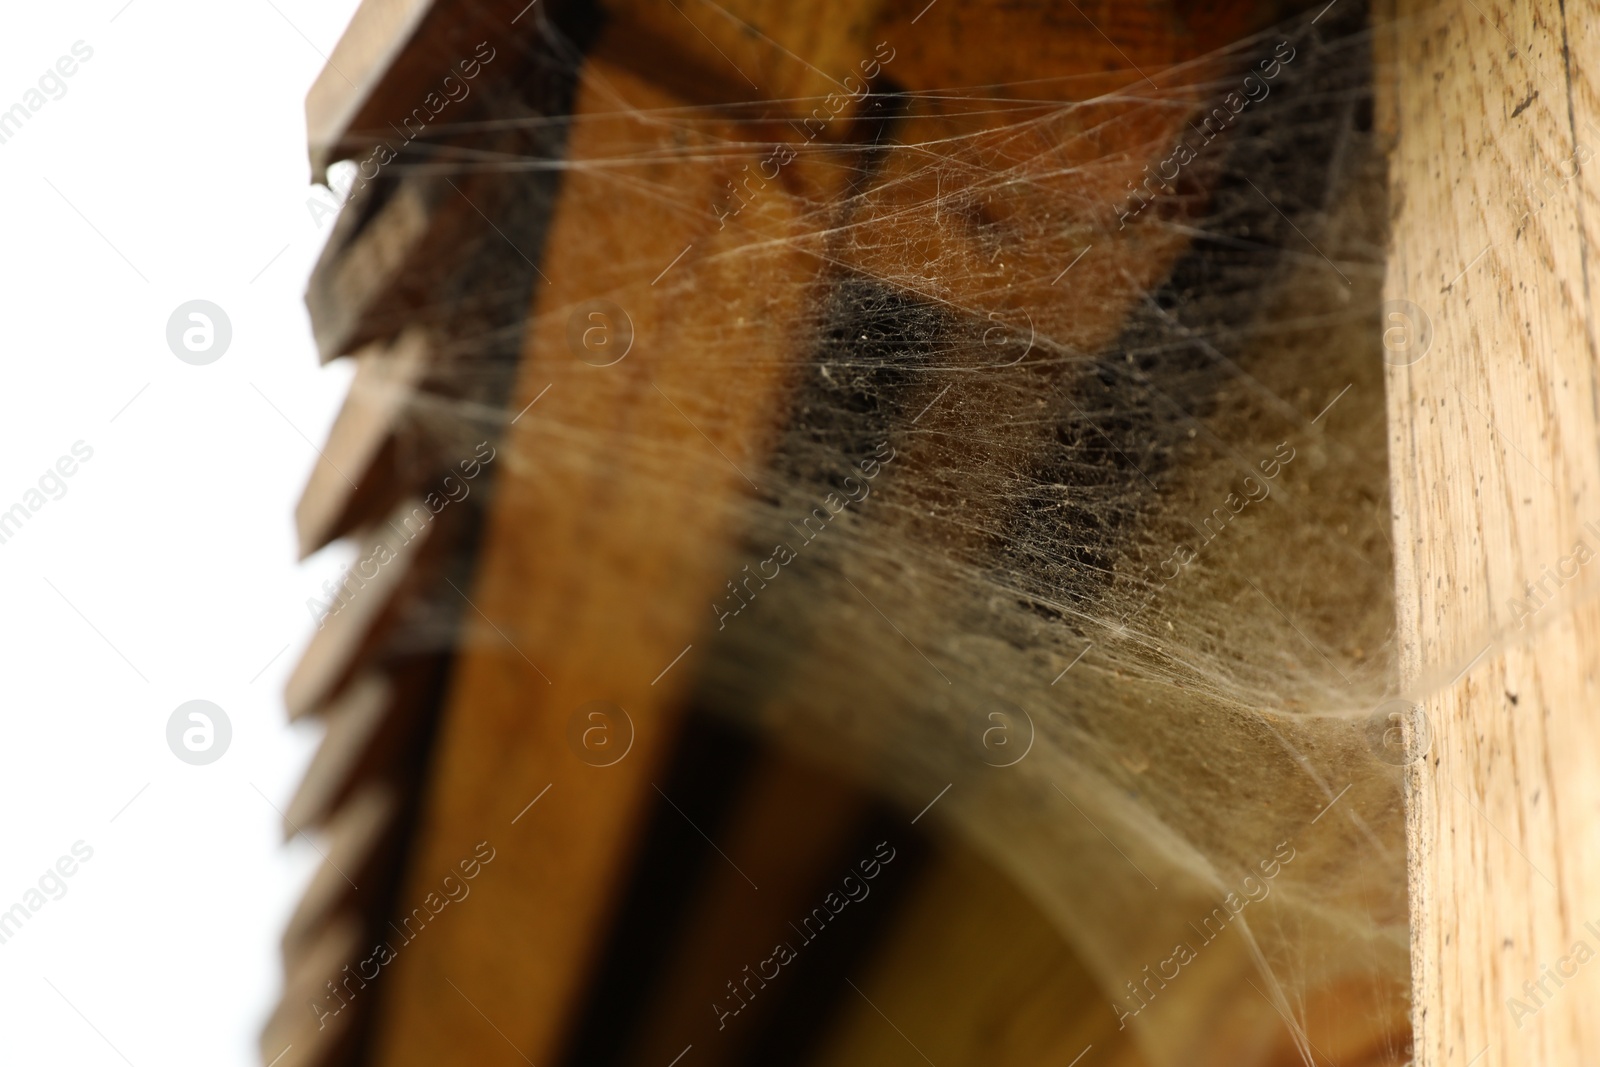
<point>1496,475</point>
<point>297,1035</point>
<point>378,33</point>
<point>355,631</point>
<point>380,398</point>
<point>353,721</point>
<point>396,51</point>
<point>349,295</point>
<point>601,588</point>
<point>391,55</point>
<point>390,256</point>
<point>349,849</point>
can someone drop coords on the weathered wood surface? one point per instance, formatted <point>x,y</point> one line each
<point>1496,476</point>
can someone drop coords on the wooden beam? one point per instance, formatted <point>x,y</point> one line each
<point>1496,484</point>
<point>593,576</point>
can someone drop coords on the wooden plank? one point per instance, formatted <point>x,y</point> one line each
<point>393,53</point>
<point>354,720</point>
<point>350,292</point>
<point>1496,478</point>
<point>378,34</point>
<point>354,632</point>
<point>295,1035</point>
<point>380,398</point>
<point>350,848</point>
<point>595,567</point>
<point>409,232</point>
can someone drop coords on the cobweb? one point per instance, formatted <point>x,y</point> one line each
<point>1078,504</point>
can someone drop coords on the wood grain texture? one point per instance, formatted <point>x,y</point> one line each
<point>1496,473</point>
<point>393,53</point>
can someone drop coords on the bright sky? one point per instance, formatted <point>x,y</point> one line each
<point>169,166</point>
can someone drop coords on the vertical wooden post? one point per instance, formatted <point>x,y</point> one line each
<point>1495,460</point>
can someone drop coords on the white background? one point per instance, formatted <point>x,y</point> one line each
<point>182,141</point>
